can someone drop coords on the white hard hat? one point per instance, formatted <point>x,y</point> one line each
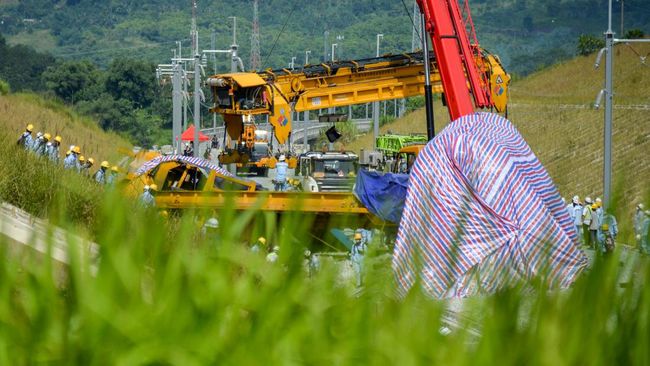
<point>282,157</point>
<point>598,199</point>
<point>212,222</point>
<point>588,200</point>
<point>39,134</point>
<point>576,199</point>
<point>307,252</point>
<point>276,248</point>
<point>146,187</point>
<point>640,206</point>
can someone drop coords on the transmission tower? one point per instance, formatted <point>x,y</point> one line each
<point>416,42</point>
<point>256,61</point>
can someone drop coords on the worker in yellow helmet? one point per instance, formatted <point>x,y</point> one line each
<point>260,245</point>
<point>38,147</point>
<point>85,166</point>
<point>52,149</point>
<point>112,175</point>
<point>100,174</point>
<point>72,161</point>
<point>26,140</point>
<point>357,253</point>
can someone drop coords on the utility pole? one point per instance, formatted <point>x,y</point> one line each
<point>326,35</point>
<point>608,93</point>
<point>255,62</point>
<point>197,81</point>
<point>292,64</point>
<point>176,107</point>
<point>307,53</point>
<point>375,105</point>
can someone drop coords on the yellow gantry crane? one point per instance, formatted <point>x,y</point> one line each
<point>277,93</point>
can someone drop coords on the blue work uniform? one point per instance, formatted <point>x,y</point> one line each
<point>610,221</point>
<point>577,219</point>
<point>39,146</point>
<point>147,199</point>
<point>71,162</point>
<point>110,180</point>
<point>357,253</point>
<point>53,153</point>
<point>645,240</point>
<point>281,169</point>
<point>100,176</point>
<point>26,140</point>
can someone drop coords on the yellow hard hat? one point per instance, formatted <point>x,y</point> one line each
<point>76,150</point>
<point>262,240</point>
<point>68,152</point>
<point>81,158</point>
<point>357,236</point>
<point>58,139</point>
<point>30,127</point>
<point>115,168</point>
<point>91,161</point>
<point>105,164</point>
<point>153,187</point>
<point>47,136</point>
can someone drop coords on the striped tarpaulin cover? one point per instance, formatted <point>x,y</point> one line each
<point>199,162</point>
<point>482,214</point>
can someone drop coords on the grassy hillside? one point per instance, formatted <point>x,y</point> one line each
<point>553,111</point>
<point>17,110</point>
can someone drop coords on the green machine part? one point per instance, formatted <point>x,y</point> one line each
<point>392,144</point>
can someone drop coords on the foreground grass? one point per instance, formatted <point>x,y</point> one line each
<point>178,299</point>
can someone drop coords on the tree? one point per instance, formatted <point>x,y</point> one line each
<point>588,44</point>
<point>132,80</point>
<point>73,81</point>
<point>634,34</point>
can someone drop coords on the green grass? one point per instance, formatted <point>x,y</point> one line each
<point>173,298</point>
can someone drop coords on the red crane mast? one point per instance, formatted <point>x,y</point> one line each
<point>455,56</point>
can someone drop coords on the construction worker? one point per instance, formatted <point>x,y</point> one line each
<point>259,246</point>
<point>638,223</point>
<point>38,142</point>
<point>82,164</point>
<point>100,174</point>
<point>72,160</point>
<point>41,150</point>
<point>357,253</point>
<point>587,213</point>
<point>575,211</point>
<point>85,166</point>
<point>274,255</point>
<point>53,149</point>
<point>608,225</point>
<point>26,140</point>
<point>112,176</point>
<point>594,225</point>
<point>281,169</point>
<point>644,234</point>
<point>210,229</point>
<point>147,199</point>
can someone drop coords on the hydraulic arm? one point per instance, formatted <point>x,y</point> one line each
<point>277,93</point>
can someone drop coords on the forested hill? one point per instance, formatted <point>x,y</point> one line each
<point>527,34</point>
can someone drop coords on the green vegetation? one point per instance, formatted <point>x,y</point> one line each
<point>526,34</point>
<point>161,298</point>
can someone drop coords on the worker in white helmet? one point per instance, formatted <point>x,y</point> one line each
<point>575,211</point>
<point>281,169</point>
<point>274,255</point>
<point>147,199</point>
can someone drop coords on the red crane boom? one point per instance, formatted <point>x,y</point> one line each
<point>455,57</point>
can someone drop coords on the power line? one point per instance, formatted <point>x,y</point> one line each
<point>295,3</point>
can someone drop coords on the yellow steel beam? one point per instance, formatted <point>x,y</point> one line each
<point>329,202</point>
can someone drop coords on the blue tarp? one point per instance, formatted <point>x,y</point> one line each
<point>382,194</point>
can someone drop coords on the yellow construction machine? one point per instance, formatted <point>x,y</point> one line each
<point>278,93</point>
